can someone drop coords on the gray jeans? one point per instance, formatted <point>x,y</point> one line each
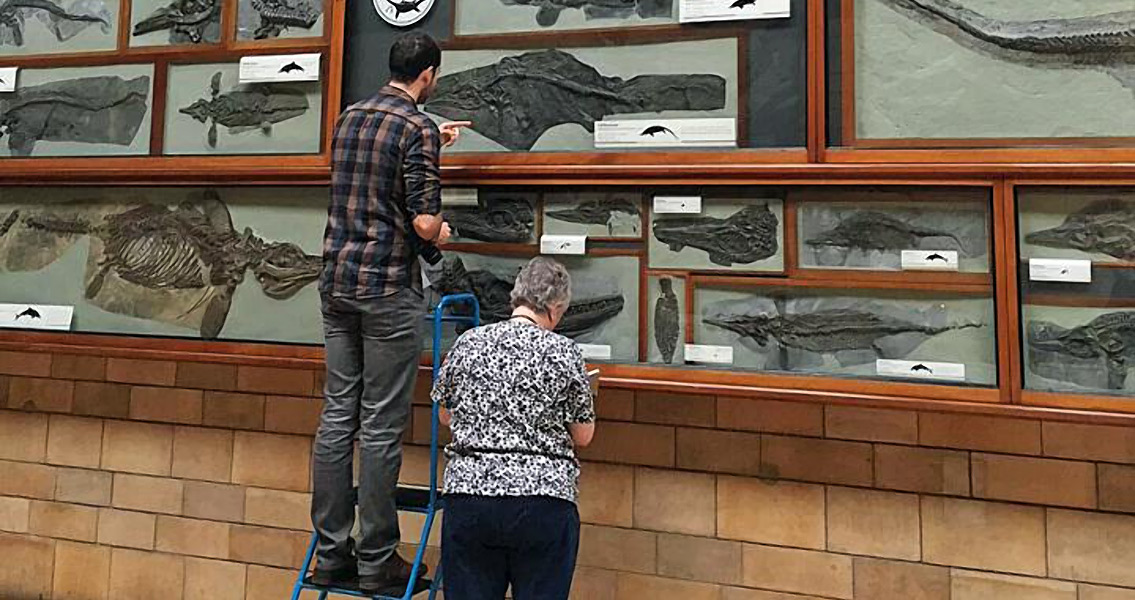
<point>373,348</point>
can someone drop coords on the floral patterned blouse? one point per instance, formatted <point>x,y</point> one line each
<point>512,389</point>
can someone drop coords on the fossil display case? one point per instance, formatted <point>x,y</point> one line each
<point>63,27</point>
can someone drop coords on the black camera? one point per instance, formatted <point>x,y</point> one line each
<point>429,252</point>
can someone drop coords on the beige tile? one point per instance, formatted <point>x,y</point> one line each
<point>1091,547</point>
<point>264,546</point>
<point>214,580</point>
<point>1117,487</point>
<point>593,584</point>
<point>628,549</point>
<point>824,461</point>
<point>1090,442</point>
<point>5,384</point>
<point>82,571</point>
<point>150,494</point>
<point>266,583</point>
<point>615,405</point>
<point>286,414</point>
<point>93,399</point>
<point>977,432</point>
<point>630,586</point>
<point>137,447</point>
<point>773,512</point>
<point>14,514</point>
<point>983,535</point>
<point>674,502</point>
<point>922,470</point>
<point>1097,592</point>
<point>719,451</point>
<point>279,462</point>
<point>1028,479</point>
<point>192,537</point>
<point>973,585</point>
<point>699,559</point>
<point>416,465</point>
<point>320,381</point>
<point>871,424</point>
<point>234,411</point>
<point>206,376</point>
<point>771,416</point>
<point>797,571</point>
<point>664,408</point>
<point>23,436</point>
<point>138,575</point>
<point>166,405</point>
<point>74,366</point>
<point>631,444</point>
<point>271,380</point>
<point>126,529</point>
<point>27,480</point>
<point>736,593</point>
<point>63,521</point>
<point>214,501</point>
<point>80,486</point>
<point>25,572</point>
<point>74,441</point>
<point>891,580</point>
<point>411,526</point>
<point>873,523</point>
<point>290,510</point>
<point>606,495</point>
<point>141,372</point>
<point>42,395</point>
<point>419,427</point>
<point>205,454</point>
<point>30,364</point>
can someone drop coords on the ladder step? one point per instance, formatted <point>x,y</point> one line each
<point>422,585</point>
<point>412,498</point>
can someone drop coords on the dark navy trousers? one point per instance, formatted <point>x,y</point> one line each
<point>489,543</point>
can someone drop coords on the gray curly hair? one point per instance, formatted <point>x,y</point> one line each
<point>542,284</point>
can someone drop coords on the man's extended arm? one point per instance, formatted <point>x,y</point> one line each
<point>421,175</point>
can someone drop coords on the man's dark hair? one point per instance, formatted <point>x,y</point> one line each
<point>411,54</point>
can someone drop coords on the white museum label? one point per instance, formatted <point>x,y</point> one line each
<point>279,67</point>
<point>1060,270</point>
<point>930,260</point>
<point>700,353</point>
<point>697,11</point>
<point>672,205</point>
<point>8,78</point>
<point>460,196</point>
<point>653,133</point>
<point>595,351</point>
<point>36,316</point>
<point>921,370</point>
<point>563,244</point>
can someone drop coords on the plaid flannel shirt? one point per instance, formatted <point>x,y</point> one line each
<point>384,173</point>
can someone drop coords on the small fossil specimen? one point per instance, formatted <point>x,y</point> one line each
<point>870,230</point>
<point>666,320</point>
<point>1106,227</point>
<point>596,211</point>
<point>278,15</point>
<point>746,236</point>
<point>65,23</point>
<point>188,22</point>
<point>1110,336</point>
<point>246,108</point>
<point>549,10</point>
<point>8,222</point>
<point>504,220</point>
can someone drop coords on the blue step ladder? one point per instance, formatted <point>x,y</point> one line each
<point>415,499</point>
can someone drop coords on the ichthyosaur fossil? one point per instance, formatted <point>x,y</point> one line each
<point>596,211</point>
<point>494,295</point>
<point>666,320</point>
<point>1105,42</point>
<point>246,108</point>
<point>278,15</point>
<point>91,110</point>
<point>1110,336</point>
<point>870,230</point>
<point>516,100</point>
<point>746,236</point>
<point>188,22</point>
<point>1104,227</point>
<point>192,247</point>
<point>548,11</point>
<point>64,23</point>
<point>827,331</point>
<point>504,220</point>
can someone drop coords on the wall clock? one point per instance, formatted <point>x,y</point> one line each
<point>403,13</point>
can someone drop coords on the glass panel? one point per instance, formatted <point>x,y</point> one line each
<point>739,232</point>
<point>272,19</point>
<point>57,27</point>
<point>175,22</point>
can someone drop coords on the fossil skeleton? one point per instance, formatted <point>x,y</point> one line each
<point>92,110</point>
<point>666,320</point>
<point>188,22</point>
<point>246,108</point>
<point>8,222</point>
<point>64,23</point>
<point>548,11</point>
<point>187,248</point>
<point>1110,336</point>
<point>597,211</point>
<point>827,331</point>
<point>278,15</point>
<point>746,236</point>
<point>505,220</point>
<point>870,230</point>
<point>518,99</point>
<point>1106,227</point>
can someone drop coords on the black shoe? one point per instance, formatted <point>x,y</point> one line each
<point>345,577</point>
<point>392,578</point>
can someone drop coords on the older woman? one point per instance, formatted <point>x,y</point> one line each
<point>518,400</point>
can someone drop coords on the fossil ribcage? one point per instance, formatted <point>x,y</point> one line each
<point>278,15</point>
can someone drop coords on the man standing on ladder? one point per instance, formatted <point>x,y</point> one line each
<point>384,213</point>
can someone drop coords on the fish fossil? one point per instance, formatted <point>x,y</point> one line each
<point>8,222</point>
<point>504,220</point>
<point>1104,227</point>
<point>246,108</point>
<point>91,110</point>
<point>188,22</point>
<point>870,230</point>
<point>515,101</point>
<point>1110,336</point>
<point>746,236</point>
<point>190,247</point>
<point>548,11</point>
<point>596,211</point>
<point>64,23</point>
<point>827,331</point>
<point>666,320</point>
<point>278,15</point>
